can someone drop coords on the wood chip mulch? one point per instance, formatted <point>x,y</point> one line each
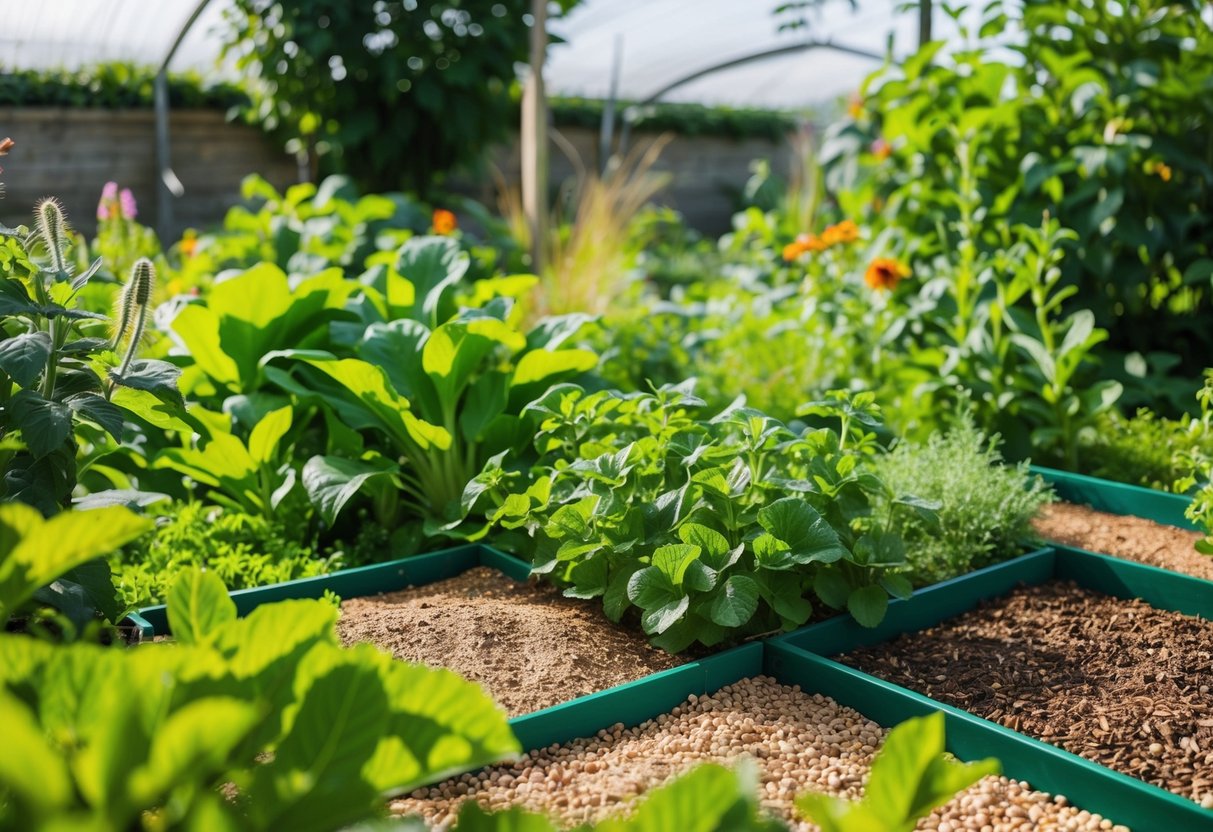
<point>1118,682</point>
<point>1132,538</point>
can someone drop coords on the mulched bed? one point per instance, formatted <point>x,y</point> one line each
<point>798,742</point>
<point>1133,538</point>
<point>529,646</point>
<point>1117,682</point>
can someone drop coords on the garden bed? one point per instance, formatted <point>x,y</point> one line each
<point>1115,681</point>
<point>799,741</point>
<point>529,646</point>
<point>1124,536</point>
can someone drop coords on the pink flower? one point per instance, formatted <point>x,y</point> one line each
<point>105,205</point>
<point>126,201</point>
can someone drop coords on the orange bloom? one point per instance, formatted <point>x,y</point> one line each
<point>792,251</point>
<point>855,107</point>
<point>1164,171</point>
<point>444,221</point>
<point>802,244</point>
<point>885,273</point>
<point>881,149</point>
<point>189,244</point>
<point>844,232</point>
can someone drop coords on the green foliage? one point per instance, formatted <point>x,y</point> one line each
<point>244,550</point>
<point>1146,449</point>
<point>65,552</point>
<point>712,528</point>
<point>682,119</point>
<point>53,360</point>
<point>910,776</point>
<point>709,798</point>
<point>356,83</point>
<point>305,735</point>
<point>985,507</point>
<point>113,86</point>
<point>1101,119</point>
<point>1200,465</point>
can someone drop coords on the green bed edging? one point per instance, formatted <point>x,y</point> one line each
<point>1118,497</point>
<point>359,581</point>
<point>1116,796</point>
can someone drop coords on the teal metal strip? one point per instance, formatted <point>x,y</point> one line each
<point>638,701</point>
<point>1118,797</point>
<point>1160,588</point>
<point>366,580</point>
<point>1118,497</point>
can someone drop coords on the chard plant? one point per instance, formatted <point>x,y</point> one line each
<point>270,708</point>
<point>711,528</point>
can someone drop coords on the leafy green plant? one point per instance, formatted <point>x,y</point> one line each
<point>910,776</point>
<point>52,362</point>
<point>254,477</point>
<point>268,710</point>
<point>711,528</point>
<point>60,561</point>
<point>1200,466</point>
<point>244,550</point>
<point>985,507</point>
<point>112,85</point>
<point>709,798</point>
<point>1146,449</point>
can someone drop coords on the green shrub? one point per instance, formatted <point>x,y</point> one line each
<point>1145,449</point>
<point>244,550</point>
<point>986,507</point>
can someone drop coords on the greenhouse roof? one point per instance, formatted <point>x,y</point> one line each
<point>657,43</point>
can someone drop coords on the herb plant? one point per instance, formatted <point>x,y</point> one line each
<point>257,723</point>
<point>710,528</point>
<point>985,506</point>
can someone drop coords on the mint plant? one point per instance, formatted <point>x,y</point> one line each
<point>711,528</point>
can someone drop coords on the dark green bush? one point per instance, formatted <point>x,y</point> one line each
<point>1145,449</point>
<point>111,86</point>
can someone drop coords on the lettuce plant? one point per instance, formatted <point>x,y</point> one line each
<point>711,528</point>
<point>257,723</point>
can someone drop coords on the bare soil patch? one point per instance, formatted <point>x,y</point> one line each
<point>529,646</point>
<point>798,742</point>
<point>1117,682</point>
<point>1133,538</point>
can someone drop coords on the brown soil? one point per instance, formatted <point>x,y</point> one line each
<point>798,742</point>
<point>1134,538</point>
<point>1118,682</point>
<point>529,646</point>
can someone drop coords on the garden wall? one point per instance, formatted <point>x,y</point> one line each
<point>71,153</point>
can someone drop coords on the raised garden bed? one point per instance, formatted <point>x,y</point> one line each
<point>1123,797</point>
<point>1118,497</point>
<point>471,610</point>
<point>798,741</point>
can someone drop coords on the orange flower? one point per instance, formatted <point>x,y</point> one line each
<point>844,232</point>
<point>189,244</point>
<point>444,221</point>
<point>885,273</point>
<point>1164,171</point>
<point>881,149</point>
<point>793,250</point>
<point>855,107</point>
<point>802,244</point>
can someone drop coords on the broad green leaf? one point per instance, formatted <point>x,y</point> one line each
<point>832,587</point>
<point>24,356</point>
<point>657,621</point>
<point>30,769</point>
<point>868,604</point>
<point>198,606</point>
<point>192,745</point>
<point>649,588</point>
<point>331,481</point>
<point>434,265</point>
<point>156,377</point>
<point>712,544</point>
<point>710,798</point>
<point>266,434</point>
<point>118,744</point>
<point>474,818</point>
<point>734,603</point>
<point>674,559</point>
<point>45,425</point>
<point>151,409</point>
<point>198,328</point>
<point>90,407</point>
<point>541,365</point>
<point>809,537</point>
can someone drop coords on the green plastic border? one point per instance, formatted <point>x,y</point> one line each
<point>359,581</point>
<point>1119,797</point>
<point>1118,497</point>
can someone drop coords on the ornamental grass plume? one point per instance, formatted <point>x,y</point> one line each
<point>50,226</point>
<point>132,309</point>
<point>884,273</point>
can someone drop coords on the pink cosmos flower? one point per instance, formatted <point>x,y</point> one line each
<point>126,201</point>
